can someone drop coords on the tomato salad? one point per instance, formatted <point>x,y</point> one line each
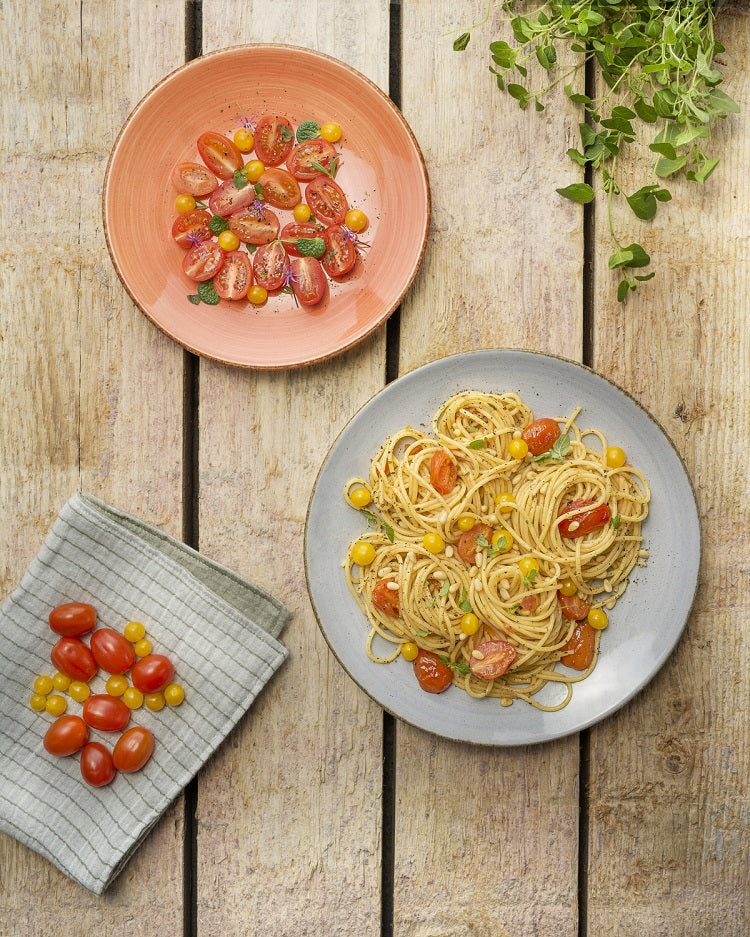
<point>262,213</point>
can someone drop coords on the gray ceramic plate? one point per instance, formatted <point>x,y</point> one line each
<point>646,623</point>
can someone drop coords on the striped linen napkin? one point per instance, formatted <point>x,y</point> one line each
<point>220,632</point>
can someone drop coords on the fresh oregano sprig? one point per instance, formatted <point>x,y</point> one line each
<point>657,65</point>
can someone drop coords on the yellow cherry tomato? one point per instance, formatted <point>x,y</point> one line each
<point>173,694</point>
<point>597,618</point>
<point>568,587</point>
<point>254,170</point>
<point>469,623</point>
<point>133,698</point>
<point>409,650</point>
<point>363,553</point>
<point>433,543</point>
<point>518,449</point>
<point>505,502</point>
<point>356,220</point>
<point>502,540</point>
<point>116,684</point>
<point>43,685</point>
<point>528,565</point>
<point>79,691</point>
<point>244,139</point>
<point>615,457</point>
<point>301,212</point>
<point>143,647</point>
<point>134,631</point>
<point>154,701</point>
<point>330,132</point>
<point>465,522</point>
<point>38,702</point>
<point>360,497</point>
<point>257,295</point>
<point>184,203</point>
<point>228,241</point>
<point>56,704</point>
<point>60,681</point>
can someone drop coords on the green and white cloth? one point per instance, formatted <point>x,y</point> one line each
<point>220,632</point>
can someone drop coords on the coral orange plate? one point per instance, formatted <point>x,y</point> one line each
<point>382,172</point>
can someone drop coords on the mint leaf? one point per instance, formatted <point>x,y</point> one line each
<point>308,130</point>
<point>477,444</point>
<point>207,293</point>
<point>217,224</point>
<point>310,247</point>
<point>560,448</point>
<point>239,177</point>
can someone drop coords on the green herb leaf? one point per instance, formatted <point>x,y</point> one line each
<point>445,588</point>
<point>477,444</point>
<point>286,133</point>
<point>615,521</point>
<point>207,293</point>
<point>329,171</point>
<point>217,224</point>
<point>464,604</point>
<point>239,177</point>
<point>308,130</point>
<point>194,298</point>
<point>560,448</point>
<point>310,247</point>
<point>580,192</point>
<point>460,44</point>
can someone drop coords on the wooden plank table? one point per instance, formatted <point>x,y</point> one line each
<point>320,814</point>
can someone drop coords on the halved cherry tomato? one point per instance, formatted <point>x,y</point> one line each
<point>191,228</point>
<point>228,199</point>
<point>300,160</point>
<point>467,546</point>
<point>327,200</point>
<point>152,673</point>
<point>308,280</point>
<point>112,651</point>
<point>133,749</point>
<point>530,602</point>
<point>203,260</point>
<point>583,523</point>
<point>497,657</point>
<point>66,735</point>
<point>579,651</point>
<point>298,229</point>
<point>572,606</point>
<point>220,154</point>
<point>280,189</point>
<point>274,139</point>
<point>341,254</point>
<point>97,764</point>
<point>193,179</point>
<point>73,619</point>
<point>235,277</point>
<point>541,435</point>
<point>254,225</point>
<point>433,675</point>
<point>387,600</point>
<point>443,472</point>
<point>105,712</point>
<point>271,266</point>
<point>73,658</point>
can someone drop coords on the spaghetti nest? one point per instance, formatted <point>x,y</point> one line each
<point>471,547</point>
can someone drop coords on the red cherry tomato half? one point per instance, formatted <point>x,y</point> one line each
<point>73,658</point>
<point>112,651</point>
<point>254,225</point>
<point>105,712</point>
<point>387,600</point>
<point>586,520</point>
<point>327,200</point>
<point>468,547</point>
<point>497,657</point>
<point>235,277</point>
<point>191,228</point>
<point>308,280</point>
<point>220,154</point>
<point>300,160</point>
<point>274,139</point>
<point>578,653</point>
<point>341,254</point>
<point>540,435</point>
<point>228,199</point>
<point>271,266</point>
<point>73,619</point>
<point>66,735</point>
<point>193,179</point>
<point>280,189</point>
<point>443,472</point>
<point>572,606</point>
<point>133,749</point>
<point>203,261</point>
<point>152,673</point>
<point>433,675</point>
<point>97,764</point>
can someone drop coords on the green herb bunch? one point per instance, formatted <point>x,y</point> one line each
<point>657,65</point>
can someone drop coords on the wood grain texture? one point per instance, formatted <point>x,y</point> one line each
<point>78,364</point>
<point>670,842</point>
<point>289,814</point>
